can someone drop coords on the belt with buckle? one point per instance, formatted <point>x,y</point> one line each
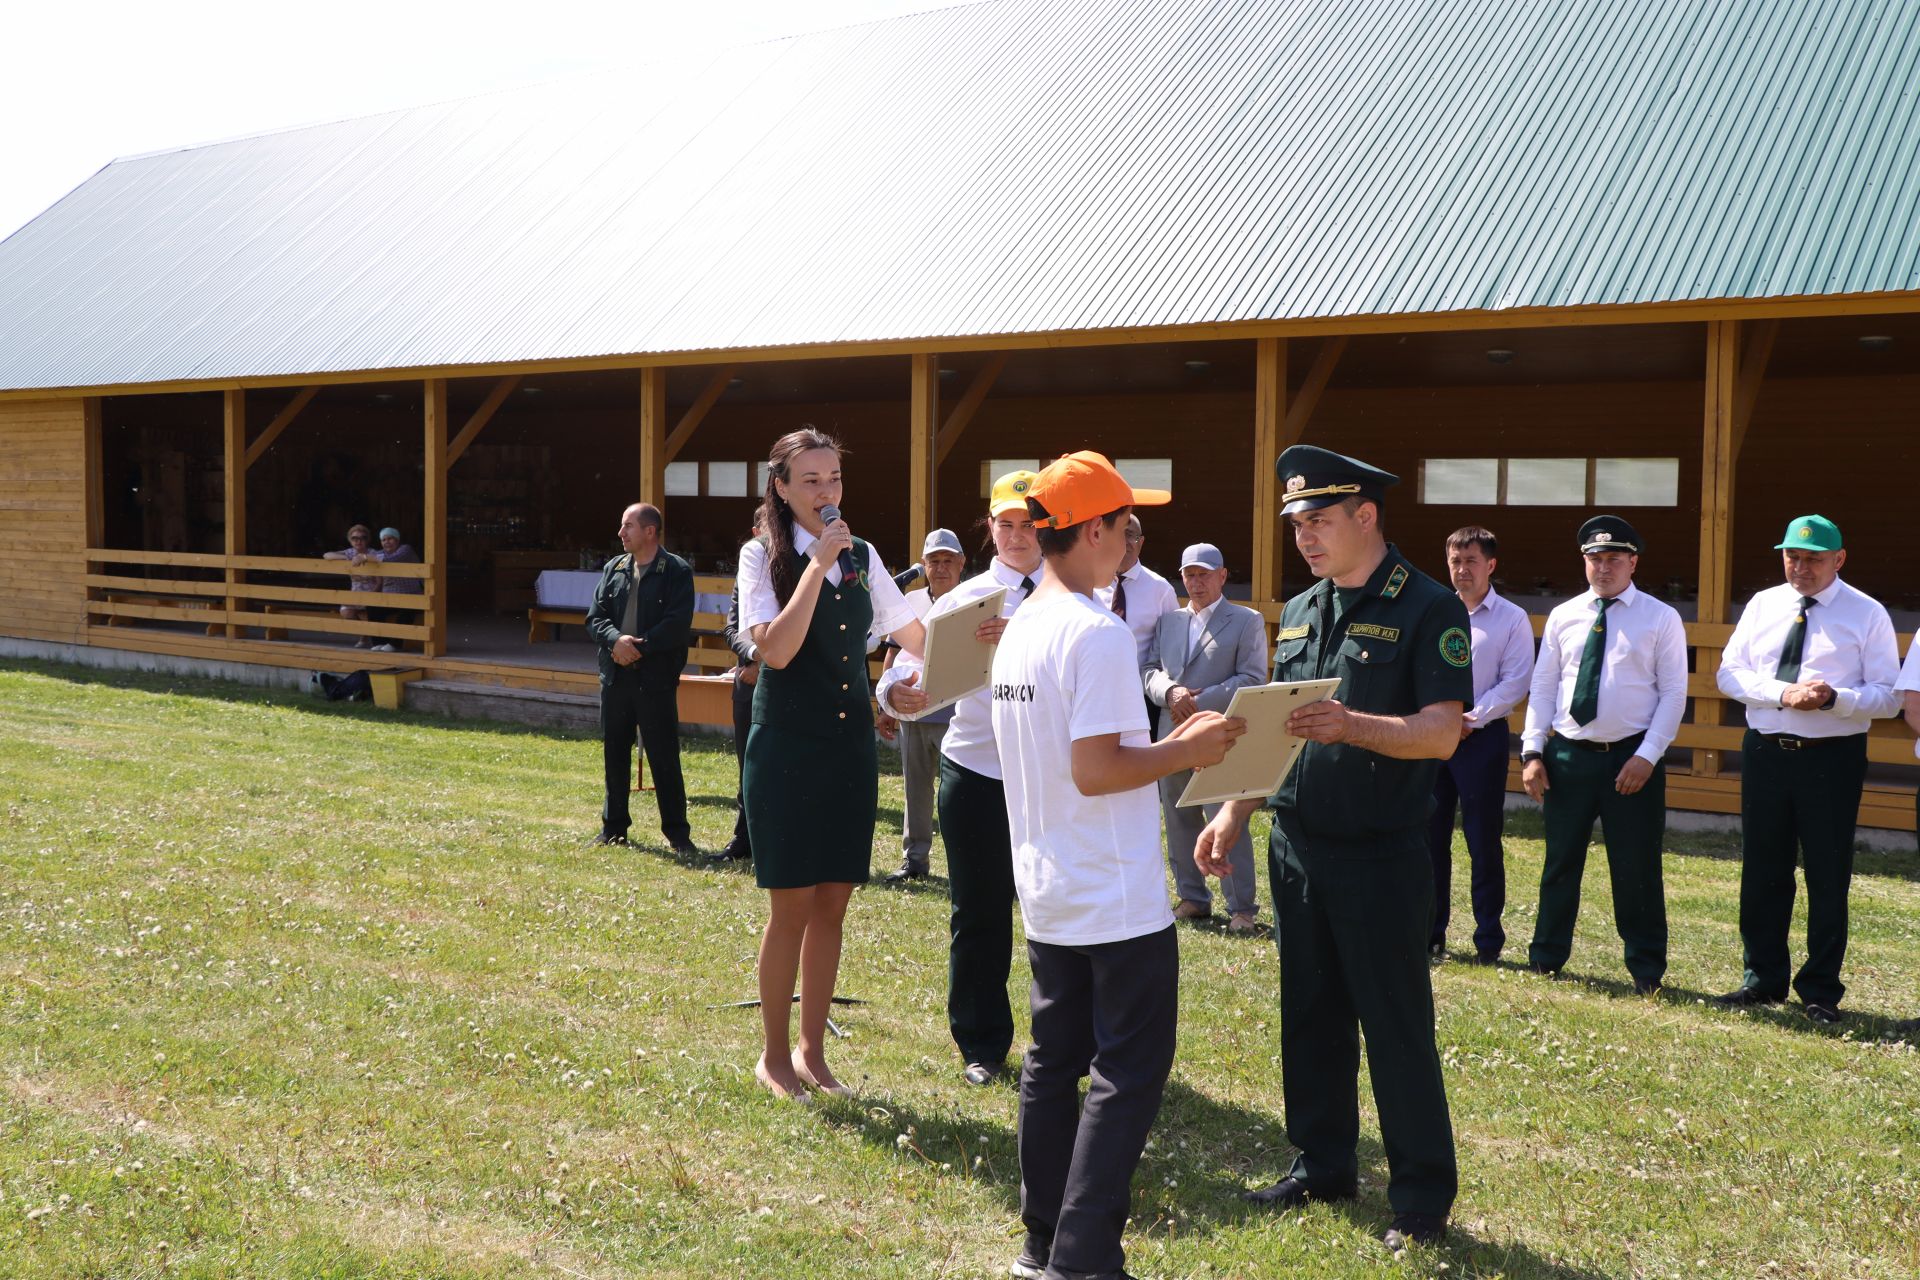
<point>1631,740</point>
<point>1794,742</point>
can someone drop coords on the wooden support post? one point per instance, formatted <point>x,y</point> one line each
<point>969,404</point>
<point>496,397</point>
<point>281,421</point>
<point>653,436</point>
<point>697,412</point>
<point>434,509</point>
<point>1307,399</point>
<point>1269,399</point>
<point>1756,342</point>
<point>234,411</point>
<point>923,414</point>
<point>93,478</point>
<point>1717,453</point>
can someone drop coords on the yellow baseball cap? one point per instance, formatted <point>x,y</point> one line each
<point>1010,491</point>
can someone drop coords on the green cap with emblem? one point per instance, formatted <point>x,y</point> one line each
<point>1810,533</point>
<point>1312,477</point>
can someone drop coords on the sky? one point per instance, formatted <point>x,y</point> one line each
<point>87,83</point>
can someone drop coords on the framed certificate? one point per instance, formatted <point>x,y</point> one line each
<point>957,663</point>
<point>1264,753</point>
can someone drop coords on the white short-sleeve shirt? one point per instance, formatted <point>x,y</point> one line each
<point>1910,677</point>
<point>758,604</point>
<point>1088,868</point>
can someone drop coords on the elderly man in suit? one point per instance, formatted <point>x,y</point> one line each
<point>1198,656</point>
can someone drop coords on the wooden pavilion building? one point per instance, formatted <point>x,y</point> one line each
<point>1659,257</point>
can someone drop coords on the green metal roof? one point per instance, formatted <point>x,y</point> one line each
<point>1015,166</point>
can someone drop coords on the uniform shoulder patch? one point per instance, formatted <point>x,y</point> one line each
<point>1395,580</point>
<point>1293,633</point>
<point>1456,647</point>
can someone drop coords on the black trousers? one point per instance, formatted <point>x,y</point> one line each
<point>973,821</point>
<point>1352,934</point>
<point>1107,1012</point>
<point>742,722</point>
<point>1474,781</point>
<point>626,709</point>
<point>1805,795</point>
<point>1580,789</point>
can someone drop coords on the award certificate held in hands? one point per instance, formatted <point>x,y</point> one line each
<point>1262,756</point>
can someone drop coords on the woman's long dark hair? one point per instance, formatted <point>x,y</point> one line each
<point>776,517</point>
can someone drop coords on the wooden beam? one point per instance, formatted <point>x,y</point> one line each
<point>433,549</point>
<point>653,436</point>
<point>923,412</point>
<point>1876,304</point>
<point>280,422</point>
<point>1269,397</point>
<point>1716,511</point>
<point>481,417</point>
<point>696,412</point>
<point>93,473</point>
<point>1757,341</point>
<point>956,424</point>
<point>234,414</point>
<point>1300,410</point>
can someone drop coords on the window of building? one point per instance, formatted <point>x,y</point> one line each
<point>993,468</point>
<point>1146,473</point>
<point>683,479</point>
<point>1551,482</point>
<point>727,480</point>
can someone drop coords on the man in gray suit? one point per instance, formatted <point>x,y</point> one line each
<point>1198,657</point>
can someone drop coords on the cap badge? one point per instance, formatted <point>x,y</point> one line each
<point>1019,486</point>
<point>1296,483</point>
<point>1806,531</point>
<point>1601,535</point>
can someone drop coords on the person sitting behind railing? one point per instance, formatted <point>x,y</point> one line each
<point>394,551</point>
<point>359,550</point>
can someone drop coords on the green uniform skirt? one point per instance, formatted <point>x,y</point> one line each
<point>810,803</point>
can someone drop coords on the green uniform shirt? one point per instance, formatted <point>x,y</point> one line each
<point>1398,644</point>
<point>663,617</point>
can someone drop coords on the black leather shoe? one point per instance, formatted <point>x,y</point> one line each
<point>1027,1267</point>
<point>734,851</point>
<point>1545,971</point>
<point>1437,953</point>
<point>981,1073</point>
<point>904,872</point>
<point>1486,958</point>
<point>684,847</point>
<point>613,838</point>
<point>1414,1228</point>
<point>1289,1193</point>
<point>1824,1014</point>
<point>1646,986</point>
<point>1745,998</point>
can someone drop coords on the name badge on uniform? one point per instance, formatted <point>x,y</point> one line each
<point>1389,634</point>
<point>1293,633</point>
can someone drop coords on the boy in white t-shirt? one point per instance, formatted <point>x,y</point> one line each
<point>1083,815</point>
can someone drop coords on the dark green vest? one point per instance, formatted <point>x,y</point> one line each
<point>823,690</point>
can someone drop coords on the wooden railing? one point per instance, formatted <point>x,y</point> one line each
<point>233,601</point>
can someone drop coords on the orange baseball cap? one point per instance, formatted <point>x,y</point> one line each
<point>1083,485</point>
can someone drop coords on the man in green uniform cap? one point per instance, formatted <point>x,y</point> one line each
<point>1815,661</point>
<point>1352,885</point>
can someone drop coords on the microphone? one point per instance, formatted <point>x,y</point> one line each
<point>848,573</point>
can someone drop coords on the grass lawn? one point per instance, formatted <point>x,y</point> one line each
<point>296,990</point>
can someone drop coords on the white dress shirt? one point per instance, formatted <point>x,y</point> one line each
<point>1910,680</point>
<point>1643,677</point>
<point>1849,644</point>
<point>1502,658</point>
<point>758,603</point>
<point>1197,624</point>
<point>1148,596</point>
<point>969,741</point>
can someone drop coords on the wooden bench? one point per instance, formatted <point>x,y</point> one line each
<point>390,685</point>
<point>541,621</point>
<point>160,602</point>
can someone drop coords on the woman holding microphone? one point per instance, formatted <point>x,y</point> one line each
<point>809,593</point>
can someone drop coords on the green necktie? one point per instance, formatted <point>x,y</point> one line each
<point>1795,644</point>
<point>1586,686</point>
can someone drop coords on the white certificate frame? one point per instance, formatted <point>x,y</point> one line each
<point>1261,758</point>
<point>955,662</point>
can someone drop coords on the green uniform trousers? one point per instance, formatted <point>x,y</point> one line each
<point>1352,934</point>
<point>973,821</point>
<point>1805,794</point>
<point>1579,790</point>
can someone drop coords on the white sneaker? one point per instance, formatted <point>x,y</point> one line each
<point>384,648</point>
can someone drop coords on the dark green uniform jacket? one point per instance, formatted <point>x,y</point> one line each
<point>663,622</point>
<point>1396,645</point>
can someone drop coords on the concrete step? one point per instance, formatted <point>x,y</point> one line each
<point>467,700</point>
